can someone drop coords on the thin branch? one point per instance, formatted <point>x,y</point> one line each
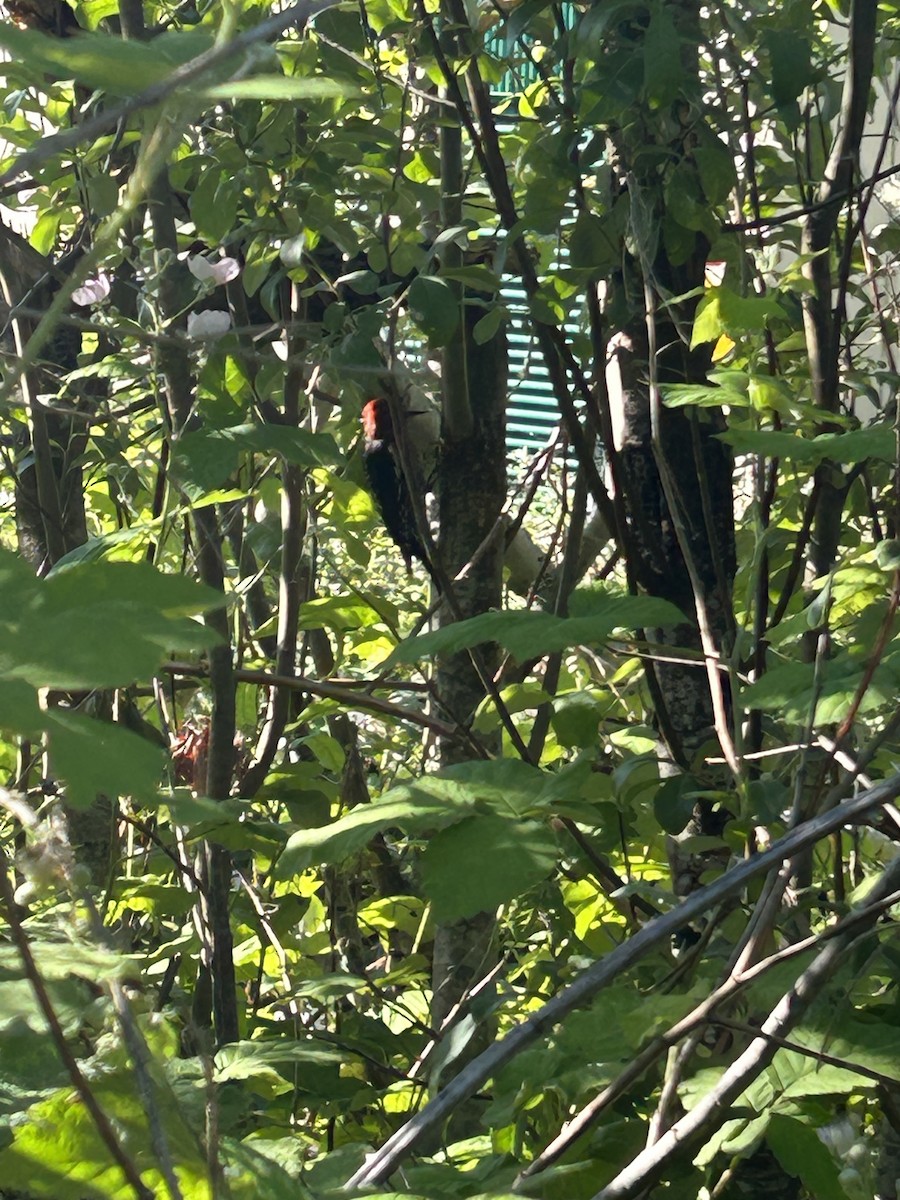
<point>673,500</point>
<point>385,1161</point>
<point>807,210</point>
<point>293,527</point>
<point>345,695</point>
<point>712,1109</point>
<point>820,1056</point>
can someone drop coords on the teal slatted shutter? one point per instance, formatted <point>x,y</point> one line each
<point>533,414</point>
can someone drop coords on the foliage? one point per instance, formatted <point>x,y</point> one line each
<point>240,811</point>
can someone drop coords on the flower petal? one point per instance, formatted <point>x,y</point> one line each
<point>209,324</point>
<point>92,291</point>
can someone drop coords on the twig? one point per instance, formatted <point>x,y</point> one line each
<point>734,982</point>
<point>293,527</point>
<point>820,1056</point>
<point>806,210</point>
<point>704,625</point>
<point>328,691</point>
<point>709,1113</point>
<point>386,1160</point>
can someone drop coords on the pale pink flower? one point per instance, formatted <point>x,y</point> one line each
<point>92,291</point>
<point>218,270</point>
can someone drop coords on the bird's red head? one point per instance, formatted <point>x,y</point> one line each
<point>376,420</point>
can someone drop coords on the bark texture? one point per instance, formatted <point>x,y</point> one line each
<point>472,491</point>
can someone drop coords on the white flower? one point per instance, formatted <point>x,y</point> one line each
<point>92,291</point>
<point>210,324</point>
<point>853,1183</point>
<point>839,1135</point>
<point>219,270</point>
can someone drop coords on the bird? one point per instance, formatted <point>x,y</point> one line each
<point>388,483</point>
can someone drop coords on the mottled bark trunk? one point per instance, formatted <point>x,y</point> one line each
<point>49,493</point>
<point>666,262</point>
<point>700,467</point>
<point>50,518</point>
<point>472,491</point>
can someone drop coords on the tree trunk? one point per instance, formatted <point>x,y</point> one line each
<point>471,494</point>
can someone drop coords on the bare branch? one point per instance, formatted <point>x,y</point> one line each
<point>343,693</point>
<point>386,1160</point>
<point>712,1110</point>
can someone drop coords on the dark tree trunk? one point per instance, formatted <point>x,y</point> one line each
<point>472,492</point>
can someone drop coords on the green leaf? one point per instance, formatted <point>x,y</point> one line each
<point>202,202</point>
<point>489,325</point>
<point>207,458</point>
<point>717,171</point>
<point>768,799</point>
<point>96,624</point>
<point>95,548</point>
<point>511,787</point>
<point>678,395</point>
<point>521,16</point>
<point>92,12</point>
<point>190,810</point>
<point>857,445</point>
<point>252,1173</point>
<point>792,70</point>
<point>46,228</point>
<point>800,1076</point>
<point>434,307</point>
<point>483,861</point>
<point>298,446</point>
<point>30,1067</point>
<point>85,585</point>
<point>69,997</point>
<point>411,809</point>
<point>57,1153</point>
<point>723,311</point>
<point>330,987</point>
<point>422,167</point>
<point>250,1060</point>
<point>342,613</point>
<point>663,72</point>
<point>673,804</point>
<point>576,717</point>
<point>595,243</point>
<point>788,690</point>
<point>19,708</point>
<point>110,64</point>
<point>477,278</point>
<point>527,635</point>
<point>282,87</point>
<point>95,758</point>
<point>19,589</point>
<point>867,1043</point>
<point>62,959</point>
<point>887,554</point>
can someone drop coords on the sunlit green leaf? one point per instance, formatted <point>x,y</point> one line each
<point>530,634</point>
<point>413,813</point>
<point>878,441</point>
<point>282,87</point>
<point>98,60</point>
